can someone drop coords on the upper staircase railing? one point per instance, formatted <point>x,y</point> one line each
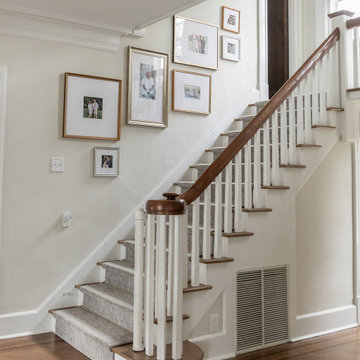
<point>175,235</point>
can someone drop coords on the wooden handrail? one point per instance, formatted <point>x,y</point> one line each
<point>248,132</point>
<point>352,23</point>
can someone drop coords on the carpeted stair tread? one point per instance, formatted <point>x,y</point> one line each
<point>102,330</point>
<point>111,293</point>
<point>119,265</point>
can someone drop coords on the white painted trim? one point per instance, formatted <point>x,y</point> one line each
<point>3,78</point>
<point>17,335</point>
<point>20,313</point>
<point>207,336</point>
<point>321,322</point>
<point>324,332</point>
<point>39,319</point>
<point>263,83</point>
<point>324,312</point>
<point>221,357</point>
<point>296,42</point>
<point>41,28</point>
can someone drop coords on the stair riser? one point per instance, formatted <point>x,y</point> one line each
<point>120,315</point>
<point>130,251</point>
<point>119,278</point>
<point>82,341</point>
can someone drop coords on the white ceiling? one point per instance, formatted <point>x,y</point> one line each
<point>108,14</point>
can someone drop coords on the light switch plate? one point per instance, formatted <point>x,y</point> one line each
<point>57,164</point>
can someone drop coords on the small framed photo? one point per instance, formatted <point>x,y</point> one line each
<point>191,92</point>
<point>148,88</point>
<point>230,48</point>
<point>92,107</point>
<point>196,43</point>
<point>106,161</point>
<point>230,19</point>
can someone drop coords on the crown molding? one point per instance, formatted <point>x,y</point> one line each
<point>34,24</point>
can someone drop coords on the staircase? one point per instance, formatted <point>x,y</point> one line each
<point>207,219</point>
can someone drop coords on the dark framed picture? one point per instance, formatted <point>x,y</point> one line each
<point>191,92</point>
<point>106,161</point>
<point>92,107</point>
<point>196,43</point>
<point>230,19</point>
<point>148,88</point>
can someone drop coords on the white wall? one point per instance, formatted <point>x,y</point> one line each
<point>37,254</point>
<point>324,235</point>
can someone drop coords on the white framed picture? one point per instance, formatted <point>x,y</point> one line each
<point>230,20</point>
<point>92,107</point>
<point>191,92</point>
<point>106,161</point>
<point>196,43</point>
<point>148,88</point>
<point>231,48</point>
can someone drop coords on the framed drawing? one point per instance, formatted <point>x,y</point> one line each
<point>196,43</point>
<point>148,88</point>
<point>230,48</point>
<point>92,107</point>
<point>106,161</point>
<point>191,92</point>
<point>230,19</point>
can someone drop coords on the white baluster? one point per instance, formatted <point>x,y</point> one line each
<point>238,194</point>
<point>283,134</point>
<point>170,272</point>
<point>248,182</point>
<point>356,57</point>
<point>292,133</point>
<point>238,214</point>
<point>207,224</point>
<point>185,257</point>
<point>195,244</point>
<point>149,293</point>
<point>228,199</point>
<point>337,97</point>
<point>161,290</point>
<point>315,96</point>
<point>275,170</point>
<point>257,172</point>
<point>218,217</point>
<point>300,115</point>
<point>266,152</point>
<point>322,95</point>
<point>307,112</point>
<point>179,239</point>
<point>138,281</point>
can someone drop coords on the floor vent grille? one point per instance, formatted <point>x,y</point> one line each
<point>262,308</point>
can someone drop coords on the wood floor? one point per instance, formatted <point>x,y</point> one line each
<point>344,345</point>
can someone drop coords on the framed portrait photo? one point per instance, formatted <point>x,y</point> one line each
<point>230,48</point>
<point>106,161</point>
<point>92,107</point>
<point>230,19</point>
<point>148,88</point>
<point>196,43</point>
<point>191,92</point>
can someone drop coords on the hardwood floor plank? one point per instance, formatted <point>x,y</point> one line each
<point>38,347</point>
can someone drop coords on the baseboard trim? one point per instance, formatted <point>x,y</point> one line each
<point>221,357</point>
<point>324,322</point>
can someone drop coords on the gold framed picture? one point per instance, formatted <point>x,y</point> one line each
<point>196,43</point>
<point>230,19</point>
<point>148,88</point>
<point>191,92</point>
<point>92,107</point>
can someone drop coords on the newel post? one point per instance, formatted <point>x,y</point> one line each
<point>176,210</point>
<point>338,20</point>
<point>140,219</point>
